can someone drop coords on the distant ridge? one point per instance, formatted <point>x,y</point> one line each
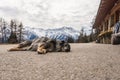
<point>64,33</point>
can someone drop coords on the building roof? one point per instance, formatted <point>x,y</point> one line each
<point>104,8</point>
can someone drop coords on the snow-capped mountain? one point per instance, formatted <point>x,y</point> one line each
<point>63,33</point>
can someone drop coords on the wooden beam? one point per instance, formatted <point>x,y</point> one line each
<point>104,9</point>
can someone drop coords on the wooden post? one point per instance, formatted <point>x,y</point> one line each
<point>103,31</point>
<point>109,23</point>
<point>115,19</point>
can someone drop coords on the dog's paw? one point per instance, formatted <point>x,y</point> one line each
<point>41,51</point>
<point>12,49</point>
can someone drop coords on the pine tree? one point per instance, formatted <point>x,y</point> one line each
<point>20,31</point>
<point>13,36</point>
<point>81,35</point>
<point>15,27</point>
<point>1,29</point>
<point>11,25</point>
<point>4,31</point>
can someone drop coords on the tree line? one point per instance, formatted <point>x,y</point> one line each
<point>84,38</point>
<point>14,29</point>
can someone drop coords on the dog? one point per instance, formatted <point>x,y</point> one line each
<point>43,45</point>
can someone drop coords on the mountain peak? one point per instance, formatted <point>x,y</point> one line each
<point>63,33</point>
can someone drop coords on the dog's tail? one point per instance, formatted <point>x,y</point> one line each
<point>17,49</point>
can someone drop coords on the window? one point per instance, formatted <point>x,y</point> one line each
<point>117,15</point>
<point>106,25</point>
<point>112,21</point>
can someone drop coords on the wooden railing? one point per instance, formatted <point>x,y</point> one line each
<point>103,33</point>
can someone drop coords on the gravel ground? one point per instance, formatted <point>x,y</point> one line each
<point>85,62</point>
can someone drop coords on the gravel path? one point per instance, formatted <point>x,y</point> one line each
<point>85,62</point>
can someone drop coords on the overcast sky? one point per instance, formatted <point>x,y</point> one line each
<point>50,13</point>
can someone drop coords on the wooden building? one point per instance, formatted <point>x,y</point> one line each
<point>107,16</point>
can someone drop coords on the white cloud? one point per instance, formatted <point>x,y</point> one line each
<point>50,13</point>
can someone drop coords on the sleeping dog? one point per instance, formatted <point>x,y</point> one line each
<point>43,45</point>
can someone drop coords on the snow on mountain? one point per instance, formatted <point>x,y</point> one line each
<point>64,33</point>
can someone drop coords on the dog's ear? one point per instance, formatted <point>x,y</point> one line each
<point>51,45</point>
<point>62,43</point>
<point>51,41</point>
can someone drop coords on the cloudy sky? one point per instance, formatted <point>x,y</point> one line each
<point>50,13</point>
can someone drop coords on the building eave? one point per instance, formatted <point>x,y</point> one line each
<point>104,9</point>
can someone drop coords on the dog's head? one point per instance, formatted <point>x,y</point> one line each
<point>66,47</point>
<point>62,46</point>
<point>51,44</point>
<point>59,45</point>
<point>47,46</point>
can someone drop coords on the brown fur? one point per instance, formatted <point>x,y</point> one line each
<point>41,49</point>
<point>17,49</point>
<point>42,46</point>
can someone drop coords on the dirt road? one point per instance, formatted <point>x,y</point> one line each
<point>85,62</point>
